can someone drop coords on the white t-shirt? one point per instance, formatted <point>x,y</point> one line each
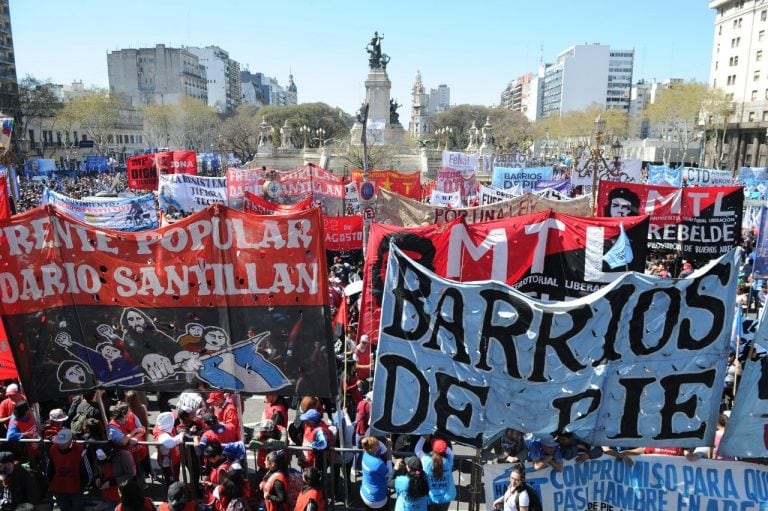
<point>511,498</point>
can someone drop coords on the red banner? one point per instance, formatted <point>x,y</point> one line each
<point>221,298</point>
<point>240,181</point>
<point>142,171</point>
<point>176,162</point>
<point>547,254</point>
<point>5,201</point>
<point>408,185</point>
<point>343,233</point>
<point>255,204</point>
<point>699,222</point>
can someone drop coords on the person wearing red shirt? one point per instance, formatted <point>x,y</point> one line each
<point>225,411</point>
<point>362,357</point>
<point>275,410</point>
<point>71,471</point>
<point>13,396</point>
<point>311,497</point>
<point>179,499</point>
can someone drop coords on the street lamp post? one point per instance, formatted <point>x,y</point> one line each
<point>305,130</point>
<point>320,132</point>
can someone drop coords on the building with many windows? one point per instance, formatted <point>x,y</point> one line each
<point>223,75</point>
<point>586,75</point>
<point>260,90</point>
<point>425,105</point>
<point>738,67</point>
<point>156,76</point>
<point>9,88</point>
<point>523,95</point>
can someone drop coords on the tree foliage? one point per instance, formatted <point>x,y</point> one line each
<point>512,131</point>
<point>239,134</point>
<point>577,127</point>
<point>335,122</point>
<point>191,124</point>
<point>675,113</point>
<point>95,114</point>
<point>39,106</point>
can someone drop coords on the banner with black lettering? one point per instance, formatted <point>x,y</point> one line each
<point>225,299</point>
<point>182,192</point>
<point>548,255</point>
<point>698,222</point>
<point>640,362</point>
<point>651,483</point>
<point>395,209</point>
<point>122,214</point>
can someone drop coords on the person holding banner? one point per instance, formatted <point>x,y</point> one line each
<point>438,466</point>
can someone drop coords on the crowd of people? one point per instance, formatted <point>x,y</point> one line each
<point>95,444</point>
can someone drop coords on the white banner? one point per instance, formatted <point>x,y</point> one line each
<point>653,483</point>
<point>707,177</point>
<point>463,162</point>
<point>640,362</point>
<point>184,192</point>
<point>494,195</point>
<point>452,199</point>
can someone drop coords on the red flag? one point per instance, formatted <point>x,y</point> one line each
<point>342,315</point>
<point>5,202</point>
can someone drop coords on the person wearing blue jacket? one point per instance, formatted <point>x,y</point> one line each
<point>376,466</point>
<point>438,466</point>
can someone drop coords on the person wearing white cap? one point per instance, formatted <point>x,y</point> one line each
<point>56,420</point>
<point>362,357</point>
<point>168,453</point>
<point>12,396</point>
<point>113,468</point>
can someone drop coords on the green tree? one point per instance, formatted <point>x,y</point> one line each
<point>676,111</point>
<point>239,134</point>
<point>717,110</point>
<point>158,120</point>
<point>512,131</point>
<point>335,122</point>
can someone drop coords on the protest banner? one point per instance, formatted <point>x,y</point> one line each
<point>343,233</point>
<point>240,181</point>
<point>652,483</point>
<point>182,192</point>
<point>494,195</point>
<point>143,171</point>
<point>526,178</point>
<point>255,204</point>
<point>458,174</point>
<point>394,209</point>
<point>220,298</point>
<point>548,255</point>
<point>699,223</point>
<point>694,176</point>
<point>407,184</point>
<point>665,176</point>
<point>121,214</point>
<point>469,360</point>
<point>176,162</point>
<point>450,199</point>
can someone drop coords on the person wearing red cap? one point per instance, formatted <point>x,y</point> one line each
<point>225,411</point>
<point>438,466</point>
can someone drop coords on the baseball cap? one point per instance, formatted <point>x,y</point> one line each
<point>364,338</point>
<point>310,415</point>
<point>213,396</point>
<point>11,389</point>
<point>439,446</point>
<point>63,437</point>
<point>7,457</point>
<point>57,415</point>
<point>369,396</point>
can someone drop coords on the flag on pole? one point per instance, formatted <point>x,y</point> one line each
<point>621,252</point>
<point>5,136</point>
<point>342,316</point>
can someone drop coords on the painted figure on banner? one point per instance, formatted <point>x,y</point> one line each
<point>73,375</point>
<point>622,202</point>
<point>106,361</point>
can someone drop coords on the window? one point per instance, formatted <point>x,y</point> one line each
<point>756,76</point>
<point>765,115</point>
<point>733,61</point>
<point>758,55</point>
<point>729,96</point>
<point>763,15</point>
<point>720,30</point>
<point>735,23</point>
<point>751,117</point>
<point>740,22</point>
<point>760,36</point>
<point>754,95</point>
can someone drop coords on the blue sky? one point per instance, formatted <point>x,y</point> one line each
<point>475,48</point>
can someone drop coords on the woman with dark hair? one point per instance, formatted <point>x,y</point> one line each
<point>275,483</point>
<point>438,466</point>
<point>410,484</point>
<point>133,499</point>
<point>233,491</point>
<point>516,497</point>
<point>311,497</point>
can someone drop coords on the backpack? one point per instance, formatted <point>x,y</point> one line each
<point>295,485</point>
<point>533,497</point>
